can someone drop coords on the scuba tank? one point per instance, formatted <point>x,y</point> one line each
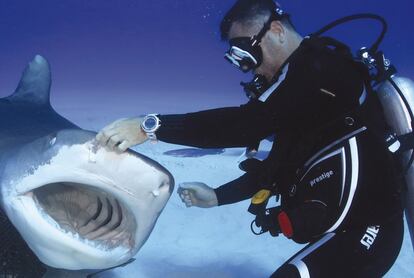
<point>397,110</point>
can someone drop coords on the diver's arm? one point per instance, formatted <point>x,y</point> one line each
<point>240,189</point>
<point>201,195</point>
<point>223,127</point>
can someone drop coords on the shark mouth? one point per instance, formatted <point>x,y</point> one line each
<point>80,208</point>
<point>88,214</point>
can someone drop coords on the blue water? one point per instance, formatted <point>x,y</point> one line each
<point>166,54</point>
<point>164,46</point>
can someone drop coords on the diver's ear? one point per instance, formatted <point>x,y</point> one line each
<point>277,28</point>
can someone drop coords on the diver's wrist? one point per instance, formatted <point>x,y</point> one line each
<point>149,125</point>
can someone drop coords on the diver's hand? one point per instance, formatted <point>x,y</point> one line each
<point>122,134</point>
<point>197,194</point>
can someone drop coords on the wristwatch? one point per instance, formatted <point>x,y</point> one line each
<point>150,124</point>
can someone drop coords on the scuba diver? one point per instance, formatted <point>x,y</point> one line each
<point>333,159</point>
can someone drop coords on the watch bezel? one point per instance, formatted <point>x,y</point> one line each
<point>156,126</point>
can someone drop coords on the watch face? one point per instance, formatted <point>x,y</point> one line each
<point>150,123</point>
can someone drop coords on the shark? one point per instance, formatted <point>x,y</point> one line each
<point>77,205</point>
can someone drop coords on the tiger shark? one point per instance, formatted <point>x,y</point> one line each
<point>76,205</point>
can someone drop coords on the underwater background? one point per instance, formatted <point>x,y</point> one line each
<point>168,49</point>
<point>113,59</point>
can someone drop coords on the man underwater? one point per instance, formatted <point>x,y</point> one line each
<point>337,181</point>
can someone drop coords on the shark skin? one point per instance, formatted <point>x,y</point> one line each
<point>77,205</point>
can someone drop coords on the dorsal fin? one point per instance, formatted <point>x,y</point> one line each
<point>34,86</point>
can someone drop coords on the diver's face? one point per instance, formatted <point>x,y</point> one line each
<point>270,44</point>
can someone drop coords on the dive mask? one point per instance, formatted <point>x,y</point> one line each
<point>245,53</point>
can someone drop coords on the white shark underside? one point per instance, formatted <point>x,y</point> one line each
<point>76,205</point>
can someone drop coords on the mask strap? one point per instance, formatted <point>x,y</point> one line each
<point>266,27</point>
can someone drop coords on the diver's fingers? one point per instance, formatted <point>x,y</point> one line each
<point>185,197</point>
<point>109,130</point>
<point>191,191</point>
<point>181,197</point>
<point>181,190</point>
<point>187,201</point>
<point>124,146</point>
<point>184,193</point>
<point>114,140</point>
<point>190,198</point>
<point>104,136</point>
<point>99,137</point>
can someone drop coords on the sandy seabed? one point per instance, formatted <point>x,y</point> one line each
<point>194,242</point>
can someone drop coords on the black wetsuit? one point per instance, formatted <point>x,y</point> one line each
<point>338,183</point>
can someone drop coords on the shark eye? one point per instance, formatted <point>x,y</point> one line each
<point>52,141</point>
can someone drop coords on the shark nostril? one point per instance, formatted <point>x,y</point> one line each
<point>163,187</point>
<point>164,184</point>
